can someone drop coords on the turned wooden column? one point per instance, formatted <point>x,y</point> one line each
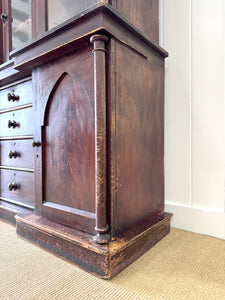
<point>99,52</point>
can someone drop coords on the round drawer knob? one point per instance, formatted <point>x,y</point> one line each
<point>13,186</point>
<point>4,17</point>
<point>13,154</point>
<point>12,124</point>
<point>12,97</point>
<point>36,144</point>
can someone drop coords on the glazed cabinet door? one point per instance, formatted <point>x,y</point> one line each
<point>65,140</point>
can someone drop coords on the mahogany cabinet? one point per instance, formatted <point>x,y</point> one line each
<point>82,145</point>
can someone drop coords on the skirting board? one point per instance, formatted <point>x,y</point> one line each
<point>196,220</point>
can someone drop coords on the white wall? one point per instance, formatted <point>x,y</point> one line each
<point>193,32</point>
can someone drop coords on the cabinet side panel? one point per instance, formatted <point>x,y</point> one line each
<point>144,14</point>
<point>139,137</point>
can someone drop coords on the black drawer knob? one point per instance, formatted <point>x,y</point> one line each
<point>12,97</point>
<point>12,124</point>
<point>36,144</point>
<point>4,17</point>
<point>13,154</point>
<point>13,186</point>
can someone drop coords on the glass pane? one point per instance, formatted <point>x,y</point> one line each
<point>21,24</point>
<point>62,10</point>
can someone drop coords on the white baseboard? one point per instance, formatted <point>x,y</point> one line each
<point>196,220</point>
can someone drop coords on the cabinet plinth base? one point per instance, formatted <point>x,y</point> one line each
<point>104,261</point>
<point>8,211</point>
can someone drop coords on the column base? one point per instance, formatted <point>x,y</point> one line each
<point>101,239</point>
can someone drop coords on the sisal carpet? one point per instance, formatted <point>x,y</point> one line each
<point>181,266</point>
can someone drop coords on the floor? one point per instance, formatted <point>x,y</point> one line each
<point>181,266</point>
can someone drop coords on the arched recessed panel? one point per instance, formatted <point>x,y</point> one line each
<point>68,138</point>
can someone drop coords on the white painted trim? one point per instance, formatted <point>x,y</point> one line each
<point>190,107</point>
<point>196,220</point>
<point>224,92</point>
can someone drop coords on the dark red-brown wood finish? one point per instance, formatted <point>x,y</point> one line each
<point>104,261</point>
<point>143,14</point>
<point>1,39</point>
<point>139,137</point>
<point>6,29</point>
<point>65,126</point>
<point>22,183</point>
<point>99,51</point>
<point>39,17</point>
<point>98,150</point>
<point>17,153</point>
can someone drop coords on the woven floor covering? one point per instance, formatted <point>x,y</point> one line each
<point>181,266</point>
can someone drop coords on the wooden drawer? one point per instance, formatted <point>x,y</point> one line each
<point>24,193</point>
<point>17,153</point>
<point>21,91</point>
<point>22,119</point>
